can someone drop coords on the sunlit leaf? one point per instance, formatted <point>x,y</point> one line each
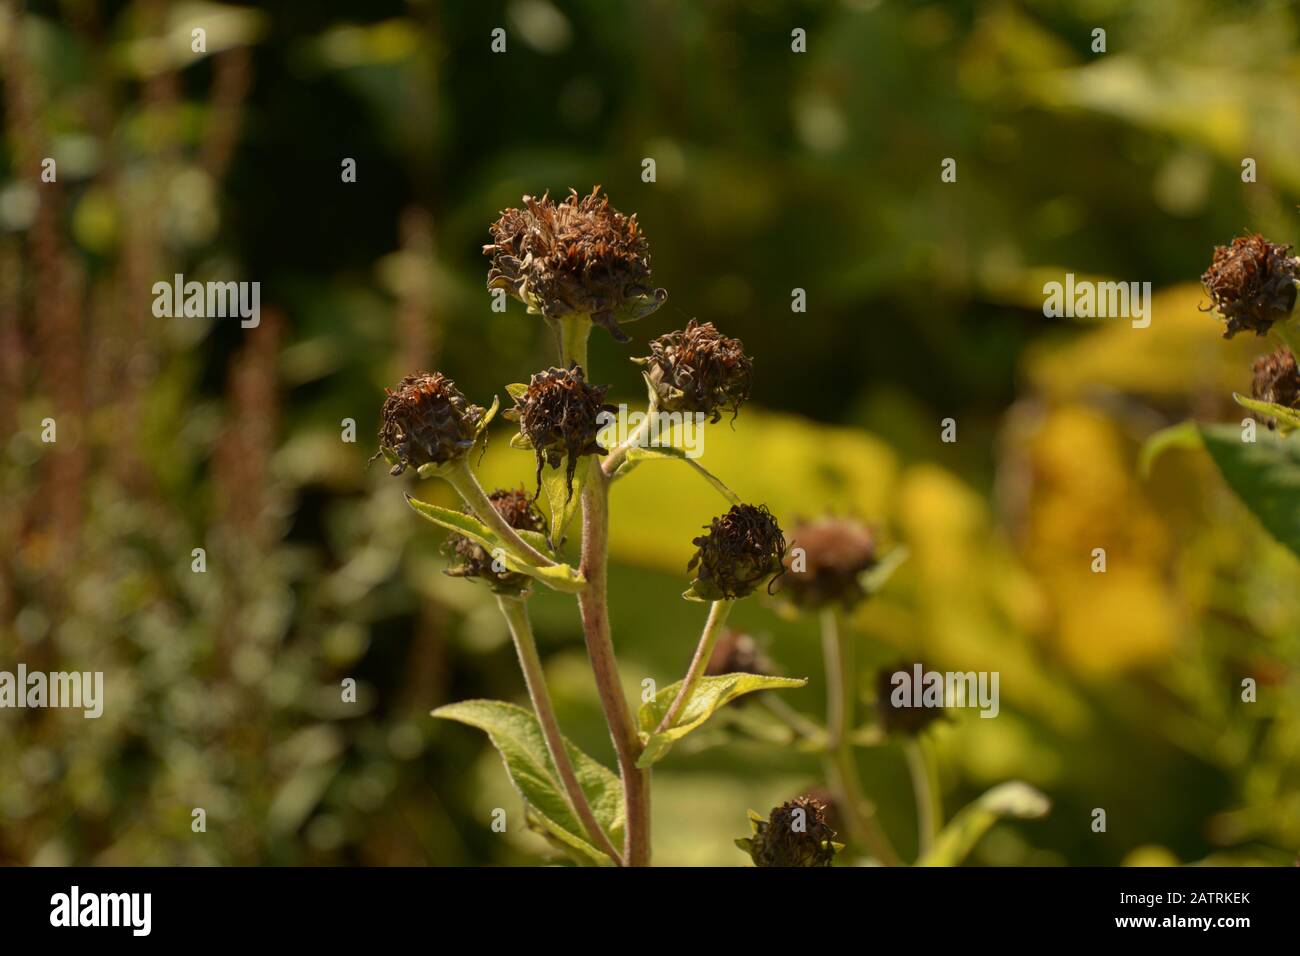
<point>1287,418</point>
<point>518,738</point>
<point>709,695</point>
<point>1015,800</point>
<point>1265,474</point>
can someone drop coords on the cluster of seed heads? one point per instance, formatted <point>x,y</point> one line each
<point>794,834</point>
<point>743,548</point>
<point>521,514</point>
<point>559,416</point>
<point>699,370</point>
<point>426,420</point>
<point>836,553</point>
<point>1252,283</point>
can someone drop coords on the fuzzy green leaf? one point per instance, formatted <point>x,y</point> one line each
<point>517,736</point>
<point>710,694</point>
<point>1264,473</point>
<point>563,501</point>
<point>1287,418</point>
<point>1015,799</point>
<point>517,390</point>
<point>873,580</point>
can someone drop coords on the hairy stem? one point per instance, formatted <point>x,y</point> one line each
<point>593,603</point>
<point>462,479</point>
<point>573,332</point>
<point>925,786</point>
<point>614,460</point>
<point>515,611</point>
<point>712,628</point>
<point>841,691</point>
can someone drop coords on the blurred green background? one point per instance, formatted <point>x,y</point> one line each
<point>775,171</point>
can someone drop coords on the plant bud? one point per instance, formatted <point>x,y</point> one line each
<point>698,370</point>
<point>580,256</point>
<point>795,834</point>
<point>743,549</point>
<point>559,418</point>
<point>905,718</point>
<point>836,552</point>
<point>1276,380</point>
<point>475,562</point>
<point>426,421</point>
<point>1252,283</point>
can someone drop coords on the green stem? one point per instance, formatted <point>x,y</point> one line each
<point>712,628</point>
<point>515,611</point>
<point>462,479</point>
<point>614,460</point>
<point>798,724</point>
<point>841,691</point>
<point>594,605</point>
<point>573,332</point>
<point>925,786</point>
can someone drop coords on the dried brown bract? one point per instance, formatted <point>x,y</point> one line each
<point>578,256</point>
<point>1276,380</point>
<point>743,549</point>
<point>698,369</point>
<point>826,562</point>
<point>426,420</point>
<point>794,834</point>
<point>559,416</point>
<point>475,562</point>
<point>1252,283</point>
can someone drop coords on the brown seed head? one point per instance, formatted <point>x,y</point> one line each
<point>578,256</point>
<point>743,549</point>
<point>795,834</point>
<point>826,562</point>
<point>901,717</point>
<point>698,370</point>
<point>1276,380</point>
<point>426,420</point>
<point>1252,283</point>
<point>559,414</point>
<point>475,562</point>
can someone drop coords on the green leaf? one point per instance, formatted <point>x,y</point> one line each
<point>1287,418</point>
<point>1014,799</point>
<point>1183,435</point>
<point>561,504</point>
<point>517,440</point>
<point>670,453</point>
<point>517,390</point>
<point>1264,473</point>
<point>561,577</point>
<point>710,694</point>
<point>518,737</point>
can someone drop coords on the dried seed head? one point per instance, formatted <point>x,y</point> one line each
<point>794,834</point>
<point>1252,283</point>
<point>743,549</point>
<point>902,716</point>
<point>826,562</point>
<point>698,370</point>
<point>737,653</point>
<point>579,256</point>
<point>1276,380</point>
<point>475,562</point>
<point>559,414</point>
<point>426,420</point>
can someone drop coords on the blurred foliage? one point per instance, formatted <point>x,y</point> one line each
<point>775,171</point>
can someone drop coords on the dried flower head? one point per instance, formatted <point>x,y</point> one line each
<point>737,653</point>
<point>1252,283</point>
<point>1276,380</point>
<point>559,416</point>
<point>579,256</point>
<point>826,562</point>
<point>426,421</point>
<point>794,834</point>
<point>699,370</point>
<point>743,549</point>
<point>897,711</point>
<point>475,561</point>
